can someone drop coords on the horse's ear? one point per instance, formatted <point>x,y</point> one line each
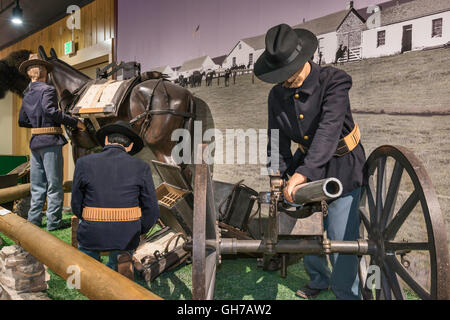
<point>42,53</point>
<point>53,53</point>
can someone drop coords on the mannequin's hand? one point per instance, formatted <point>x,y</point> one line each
<point>296,180</point>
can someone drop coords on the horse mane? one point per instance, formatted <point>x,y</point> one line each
<point>10,77</point>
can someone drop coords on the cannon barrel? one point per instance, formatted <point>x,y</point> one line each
<point>317,191</point>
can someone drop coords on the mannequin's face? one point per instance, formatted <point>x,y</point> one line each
<point>295,76</point>
<point>37,73</point>
<point>298,78</point>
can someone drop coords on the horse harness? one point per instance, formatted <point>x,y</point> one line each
<point>148,113</point>
<point>67,96</point>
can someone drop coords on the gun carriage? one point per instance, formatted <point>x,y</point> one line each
<point>396,187</point>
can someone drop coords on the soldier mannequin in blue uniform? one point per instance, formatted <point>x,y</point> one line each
<point>310,106</point>
<point>41,113</point>
<point>114,197</point>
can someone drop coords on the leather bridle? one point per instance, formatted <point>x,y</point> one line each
<point>148,113</point>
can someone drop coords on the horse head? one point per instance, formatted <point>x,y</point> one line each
<point>64,77</point>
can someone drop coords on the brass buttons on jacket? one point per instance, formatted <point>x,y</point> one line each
<point>306,138</point>
<point>297,96</point>
<point>301,117</point>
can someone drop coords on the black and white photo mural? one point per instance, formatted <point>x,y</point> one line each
<point>397,53</point>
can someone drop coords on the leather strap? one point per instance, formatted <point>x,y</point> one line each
<point>228,198</point>
<point>346,145</point>
<point>148,113</point>
<point>111,214</point>
<point>350,142</point>
<point>172,112</point>
<point>49,130</point>
<point>176,236</point>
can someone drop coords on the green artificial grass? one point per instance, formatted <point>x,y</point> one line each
<point>236,279</point>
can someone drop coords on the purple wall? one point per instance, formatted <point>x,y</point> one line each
<point>160,32</point>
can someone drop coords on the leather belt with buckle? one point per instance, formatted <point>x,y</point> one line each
<point>346,145</point>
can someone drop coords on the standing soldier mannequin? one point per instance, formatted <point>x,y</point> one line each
<point>310,106</point>
<point>41,113</point>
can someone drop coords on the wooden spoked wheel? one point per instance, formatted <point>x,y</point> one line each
<point>400,212</point>
<point>205,242</point>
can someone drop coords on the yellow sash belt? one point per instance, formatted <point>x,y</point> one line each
<point>111,214</point>
<point>49,130</point>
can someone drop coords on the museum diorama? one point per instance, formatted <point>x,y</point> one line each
<point>224,150</point>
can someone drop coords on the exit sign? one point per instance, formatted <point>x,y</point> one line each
<point>69,47</point>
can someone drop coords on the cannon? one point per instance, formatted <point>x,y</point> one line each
<point>398,198</point>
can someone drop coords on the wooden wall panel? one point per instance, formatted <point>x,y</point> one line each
<point>94,23</point>
<point>97,25</point>
<point>108,14</point>
<point>21,136</point>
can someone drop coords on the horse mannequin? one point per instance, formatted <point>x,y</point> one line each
<point>155,110</point>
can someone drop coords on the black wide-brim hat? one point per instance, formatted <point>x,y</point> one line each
<point>34,60</point>
<point>124,128</point>
<point>287,51</point>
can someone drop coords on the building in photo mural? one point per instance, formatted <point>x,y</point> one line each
<point>403,25</point>
<point>166,70</point>
<point>202,64</point>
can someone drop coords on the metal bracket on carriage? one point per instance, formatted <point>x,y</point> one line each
<point>104,74</point>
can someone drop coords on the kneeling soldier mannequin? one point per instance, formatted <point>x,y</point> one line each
<point>310,106</point>
<point>114,196</point>
<point>41,113</point>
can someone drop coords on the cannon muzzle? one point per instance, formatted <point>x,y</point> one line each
<point>317,191</point>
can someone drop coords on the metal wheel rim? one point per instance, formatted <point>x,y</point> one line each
<point>205,253</point>
<point>424,195</point>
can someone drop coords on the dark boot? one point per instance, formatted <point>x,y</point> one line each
<point>125,265</point>
<point>307,292</point>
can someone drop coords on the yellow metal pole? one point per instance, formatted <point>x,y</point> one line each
<point>23,190</point>
<point>97,281</point>
<point>14,193</point>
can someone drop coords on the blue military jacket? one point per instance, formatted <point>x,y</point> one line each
<point>40,110</point>
<point>316,115</point>
<point>113,179</point>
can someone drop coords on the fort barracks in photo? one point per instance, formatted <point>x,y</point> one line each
<point>394,27</point>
